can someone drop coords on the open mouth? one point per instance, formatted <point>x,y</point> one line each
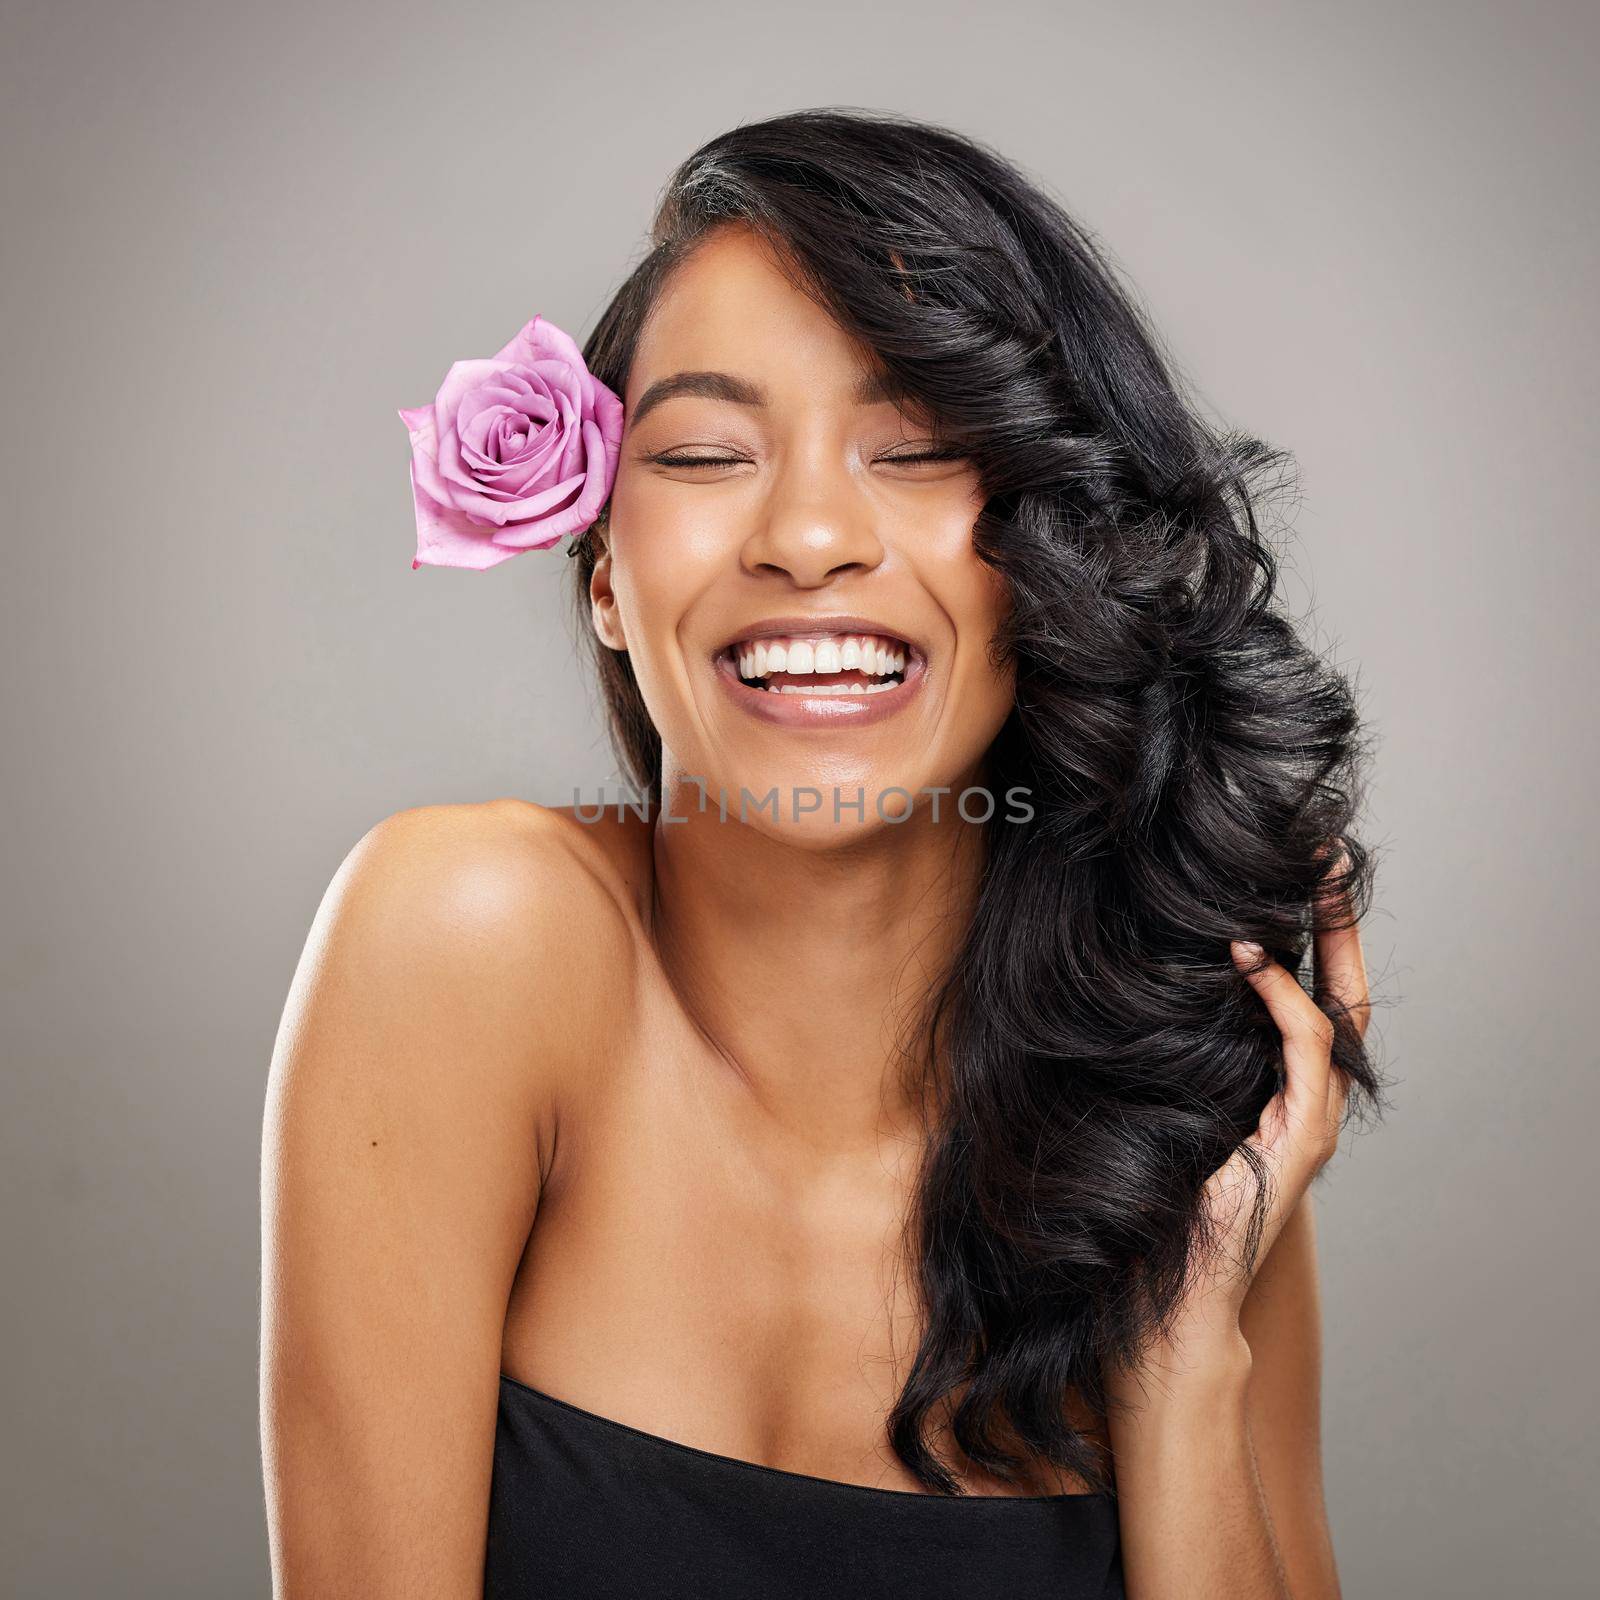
<point>822,664</point>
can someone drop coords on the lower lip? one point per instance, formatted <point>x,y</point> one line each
<point>821,710</point>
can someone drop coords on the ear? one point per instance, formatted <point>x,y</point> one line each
<point>603,605</point>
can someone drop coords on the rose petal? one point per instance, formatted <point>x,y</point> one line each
<point>539,537</point>
<point>462,378</point>
<point>539,465</point>
<point>480,436</point>
<point>503,513</point>
<point>514,496</point>
<point>448,538</point>
<point>467,465</point>
<point>609,419</point>
<point>512,390</point>
<point>601,470</point>
<point>423,467</point>
<point>572,519</point>
<point>418,420</point>
<point>539,339</point>
<point>556,378</point>
<point>541,532</point>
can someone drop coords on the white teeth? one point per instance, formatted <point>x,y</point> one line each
<point>814,689</point>
<point>866,653</point>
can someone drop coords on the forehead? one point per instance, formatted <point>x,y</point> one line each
<point>729,307</point>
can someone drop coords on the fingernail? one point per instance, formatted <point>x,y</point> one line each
<point>1247,949</point>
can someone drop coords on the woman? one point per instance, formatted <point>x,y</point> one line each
<point>872,1165</point>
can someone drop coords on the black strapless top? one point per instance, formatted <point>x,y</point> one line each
<point>582,1507</point>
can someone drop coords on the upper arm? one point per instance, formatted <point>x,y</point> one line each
<point>409,1118</point>
<point>1281,1320</point>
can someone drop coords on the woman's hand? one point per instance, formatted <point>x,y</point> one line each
<point>1193,1501</point>
<point>1299,1128</point>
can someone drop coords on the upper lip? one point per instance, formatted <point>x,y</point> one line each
<point>837,622</point>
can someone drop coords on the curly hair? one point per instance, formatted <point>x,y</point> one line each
<point>1095,1052</point>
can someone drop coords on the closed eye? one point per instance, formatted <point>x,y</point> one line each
<point>669,460</point>
<point>696,461</point>
<point>949,453</point>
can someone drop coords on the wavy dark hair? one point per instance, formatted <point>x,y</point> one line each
<point>1188,757</point>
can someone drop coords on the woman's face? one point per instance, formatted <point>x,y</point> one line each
<point>800,599</point>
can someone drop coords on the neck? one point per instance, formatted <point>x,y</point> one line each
<point>809,968</point>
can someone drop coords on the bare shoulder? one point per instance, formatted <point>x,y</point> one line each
<point>461,968</point>
<point>543,858</point>
<point>480,947</point>
<point>499,907</point>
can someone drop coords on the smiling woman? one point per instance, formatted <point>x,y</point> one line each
<point>853,1198</point>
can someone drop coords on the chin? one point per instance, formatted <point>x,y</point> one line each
<point>813,810</point>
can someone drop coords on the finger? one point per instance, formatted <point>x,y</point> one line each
<point>1307,1037</point>
<point>1339,964</point>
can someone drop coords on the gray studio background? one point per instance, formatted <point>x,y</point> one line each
<point>237,238</point>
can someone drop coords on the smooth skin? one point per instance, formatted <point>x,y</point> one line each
<point>614,1107</point>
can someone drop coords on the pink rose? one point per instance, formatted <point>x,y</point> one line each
<point>514,452</point>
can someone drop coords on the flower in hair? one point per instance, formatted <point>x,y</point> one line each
<point>513,452</point>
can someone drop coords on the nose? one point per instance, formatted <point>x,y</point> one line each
<point>816,525</point>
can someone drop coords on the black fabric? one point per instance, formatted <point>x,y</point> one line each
<point>582,1507</point>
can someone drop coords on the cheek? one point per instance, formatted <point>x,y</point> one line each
<point>974,596</point>
<point>976,599</point>
<point>986,690</point>
<point>663,555</point>
<point>664,521</point>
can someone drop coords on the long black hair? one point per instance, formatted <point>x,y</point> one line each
<point>1188,756</point>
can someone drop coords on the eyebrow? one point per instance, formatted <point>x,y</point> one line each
<point>872,388</point>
